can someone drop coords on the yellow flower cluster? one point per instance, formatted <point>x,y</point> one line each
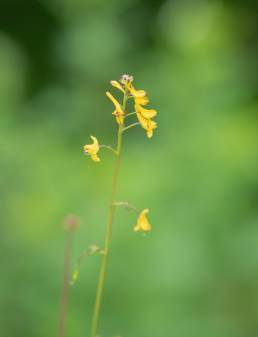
<point>144,115</point>
<point>145,119</point>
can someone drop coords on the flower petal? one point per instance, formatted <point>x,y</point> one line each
<point>119,113</point>
<point>114,101</point>
<point>94,157</point>
<point>142,224</point>
<point>117,85</point>
<point>147,124</point>
<point>134,92</point>
<point>95,141</point>
<point>141,100</point>
<point>146,113</point>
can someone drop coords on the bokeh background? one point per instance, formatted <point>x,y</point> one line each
<point>196,273</point>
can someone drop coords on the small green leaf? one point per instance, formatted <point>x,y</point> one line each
<point>91,250</point>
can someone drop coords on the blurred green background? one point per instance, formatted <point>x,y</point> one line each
<point>196,273</point>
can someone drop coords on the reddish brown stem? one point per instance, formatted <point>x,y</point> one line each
<point>66,280</point>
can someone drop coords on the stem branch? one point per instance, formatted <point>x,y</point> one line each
<point>130,126</point>
<point>130,114</point>
<point>127,206</point>
<point>109,148</point>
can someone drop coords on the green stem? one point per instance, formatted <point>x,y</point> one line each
<point>130,114</point>
<point>104,262</point>
<point>127,206</point>
<point>130,126</point>
<point>109,148</point>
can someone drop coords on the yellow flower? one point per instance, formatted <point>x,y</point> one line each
<point>140,100</point>
<point>92,149</point>
<point>140,96</point>
<point>117,85</point>
<point>144,117</point>
<point>142,224</point>
<point>147,124</point>
<point>118,113</point>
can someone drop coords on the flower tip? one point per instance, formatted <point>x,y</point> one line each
<point>95,140</point>
<point>117,85</point>
<point>126,78</point>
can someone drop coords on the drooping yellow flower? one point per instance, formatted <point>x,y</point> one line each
<point>144,117</point>
<point>140,96</point>
<point>146,113</point>
<point>148,124</point>
<point>92,149</point>
<point>142,224</point>
<point>118,113</point>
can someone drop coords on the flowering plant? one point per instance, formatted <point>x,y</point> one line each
<point>145,120</point>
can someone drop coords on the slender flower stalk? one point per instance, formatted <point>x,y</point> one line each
<point>130,114</point>
<point>71,223</point>
<point>109,148</point>
<point>145,120</point>
<point>104,262</point>
<point>130,126</point>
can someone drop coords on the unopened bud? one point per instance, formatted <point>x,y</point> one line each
<point>126,78</point>
<point>71,222</point>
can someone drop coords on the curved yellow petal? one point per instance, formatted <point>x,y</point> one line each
<point>134,92</point>
<point>142,223</point>
<point>119,113</point>
<point>146,113</point>
<point>95,142</point>
<point>143,121</point>
<point>114,101</point>
<point>141,100</point>
<point>147,124</point>
<point>151,126</point>
<point>140,96</point>
<point>117,85</point>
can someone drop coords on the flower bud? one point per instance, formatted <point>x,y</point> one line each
<point>71,222</point>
